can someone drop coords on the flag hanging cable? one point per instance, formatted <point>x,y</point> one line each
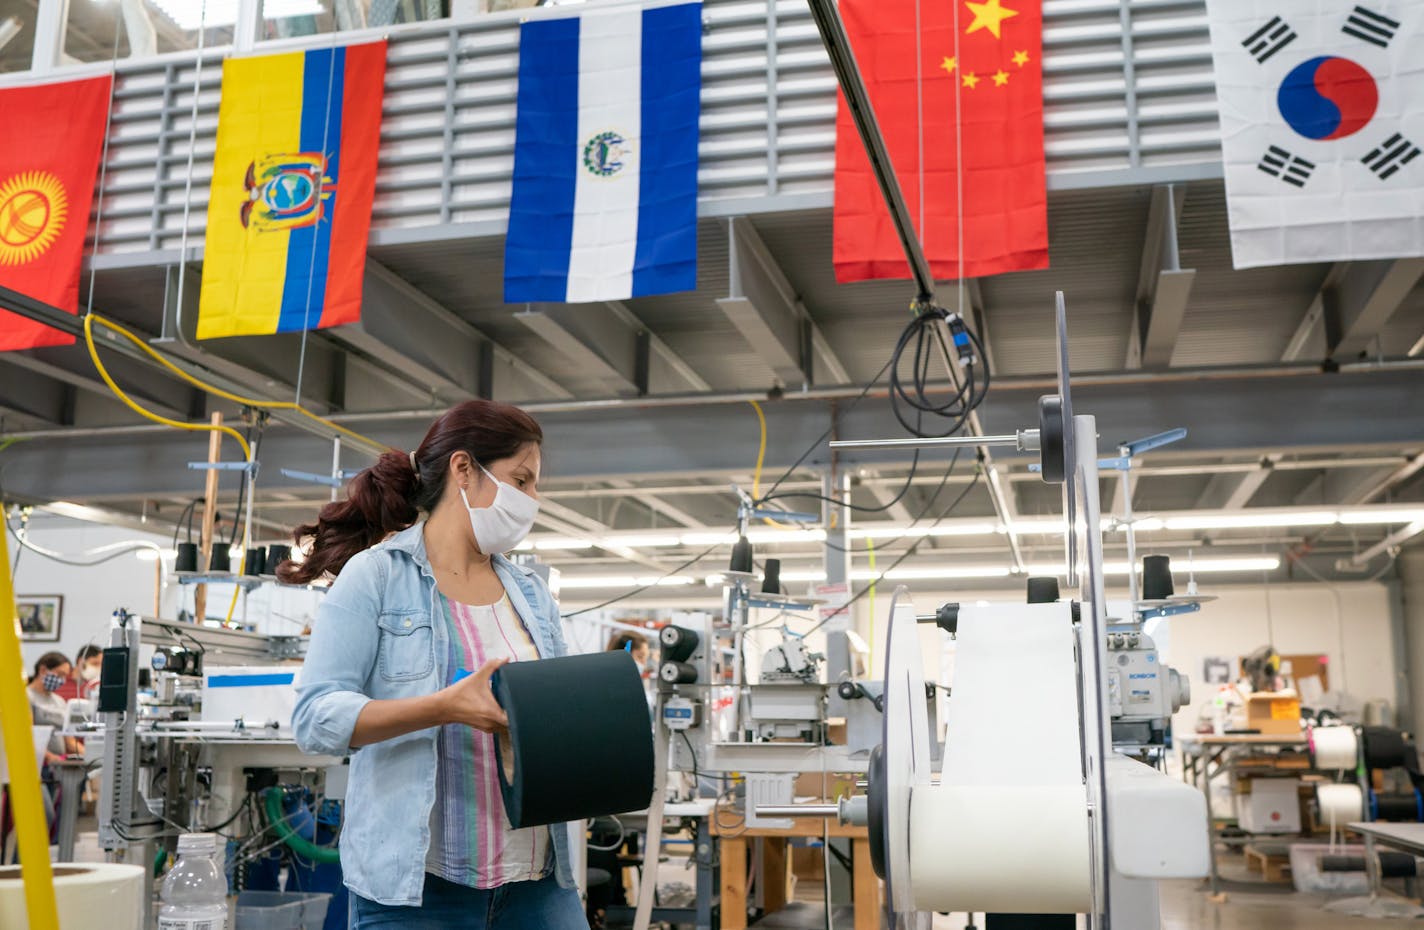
<point>947,328</point>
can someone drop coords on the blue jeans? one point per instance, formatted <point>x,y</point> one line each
<point>540,905</point>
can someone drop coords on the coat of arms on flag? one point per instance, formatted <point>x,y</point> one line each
<point>1322,126</point>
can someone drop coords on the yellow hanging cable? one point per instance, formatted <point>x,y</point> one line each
<point>761,450</point>
<point>26,801</point>
<point>177,372</point>
<point>141,411</point>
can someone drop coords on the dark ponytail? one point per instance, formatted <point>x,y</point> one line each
<point>390,494</point>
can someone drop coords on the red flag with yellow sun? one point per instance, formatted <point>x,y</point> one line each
<point>55,134</point>
<point>957,88</point>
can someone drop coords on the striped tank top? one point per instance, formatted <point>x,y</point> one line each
<point>471,841</point>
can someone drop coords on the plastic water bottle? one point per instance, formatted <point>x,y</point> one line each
<point>195,890</point>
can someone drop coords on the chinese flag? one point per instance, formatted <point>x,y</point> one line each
<point>47,174</point>
<point>959,100</point>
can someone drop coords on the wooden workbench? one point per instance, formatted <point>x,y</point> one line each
<point>776,863</point>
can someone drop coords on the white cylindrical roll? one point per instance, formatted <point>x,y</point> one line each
<point>1335,748</point>
<point>87,895</point>
<point>1340,804</point>
<point>1018,850</point>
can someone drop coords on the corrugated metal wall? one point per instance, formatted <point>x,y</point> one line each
<point>1128,86</point>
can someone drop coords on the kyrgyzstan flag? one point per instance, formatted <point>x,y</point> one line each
<point>54,135</point>
<point>955,85</point>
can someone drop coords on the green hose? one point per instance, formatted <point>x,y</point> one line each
<point>272,800</point>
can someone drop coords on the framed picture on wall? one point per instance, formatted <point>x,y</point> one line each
<point>40,616</point>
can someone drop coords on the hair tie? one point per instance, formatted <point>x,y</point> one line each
<point>413,466</point>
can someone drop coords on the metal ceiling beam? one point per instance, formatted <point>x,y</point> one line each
<point>33,309</point>
<point>661,352</point>
<point>1234,491</point>
<point>764,307</point>
<point>598,343</point>
<point>46,362</point>
<point>411,333</point>
<point>1392,541</point>
<point>1163,285</point>
<point>655,503</point>
<point>567,520</point>
<point>884,495</point>
<point>39,399</point>
<point>1364,300</point>
<point>1311,330</point>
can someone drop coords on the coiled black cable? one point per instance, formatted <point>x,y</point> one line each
<point>910,396</point>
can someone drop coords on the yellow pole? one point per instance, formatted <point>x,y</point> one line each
<point>30,828</point>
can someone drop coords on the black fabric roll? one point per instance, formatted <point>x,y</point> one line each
<point>255,561</point>
<point>1384,747</point>
<point>678,673</point>
<point>276,555</point>
<point>1342,863</point>
<point>220,560</point>
<point>1156,577</point>
<point>678,643</point>
<point>580,739</point>
<point>1398,865</point>
<point>1399,808</point>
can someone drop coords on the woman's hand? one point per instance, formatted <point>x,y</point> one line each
<point>470,701</point>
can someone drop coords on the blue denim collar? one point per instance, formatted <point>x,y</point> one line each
<point>411,541</point>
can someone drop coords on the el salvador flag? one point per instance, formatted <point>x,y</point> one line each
<point>605,156</point>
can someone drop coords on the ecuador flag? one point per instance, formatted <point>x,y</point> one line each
<point>54,135</point>
<point>294,175</point>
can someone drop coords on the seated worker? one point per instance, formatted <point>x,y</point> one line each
<point>633,643</point>
<point>85,679</point>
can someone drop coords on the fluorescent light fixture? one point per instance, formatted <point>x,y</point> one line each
<point>77,511</point>
<point>624,581</point>
<point>1180,566</point>
<point>920,532</point>
<point>934,573</point>
<point>759,535</point>
<point>1044,525</point>
<point>193,14</point>
<point>1248,520</point>
<point>640,542</point>
<point>1382,515</point>
<point>567,543</point>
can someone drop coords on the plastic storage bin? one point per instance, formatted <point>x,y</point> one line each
<point>281,910</point>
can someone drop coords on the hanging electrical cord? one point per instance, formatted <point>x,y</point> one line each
<point>86,558</point>
<point>652,584</point>
<point>895,564</point>
<point>925,332</point>
<point>253,402</point>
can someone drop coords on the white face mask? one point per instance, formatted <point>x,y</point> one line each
<point>90,673</point>
<point>506,521</point>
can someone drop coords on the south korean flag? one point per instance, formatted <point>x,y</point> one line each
<point>1322,126</point>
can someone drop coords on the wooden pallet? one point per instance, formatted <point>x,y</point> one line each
<point>1273,865</point>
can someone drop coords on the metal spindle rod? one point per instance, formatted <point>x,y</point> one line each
<point>1024,440</point>
<point>798,810</point>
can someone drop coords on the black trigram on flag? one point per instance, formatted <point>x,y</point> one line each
<point>1269,39</point>
<point>1396,152</point>
<point>1374,28</point>
<point>1279,163</point>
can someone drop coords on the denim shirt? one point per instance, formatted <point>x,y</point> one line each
<point>377,637</point>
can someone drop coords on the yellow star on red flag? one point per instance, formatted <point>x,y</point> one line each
<point>971,81</point>
<point>1001,78</point>
<point>949,64</point>
<point>1021,58</point>
<point>989,15</point>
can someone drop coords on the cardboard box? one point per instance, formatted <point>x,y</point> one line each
<point>1273,806</point>
<point>1273,712</point>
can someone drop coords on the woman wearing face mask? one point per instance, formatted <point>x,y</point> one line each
<point>424,608</point>
<point>85,678</point>
<point>47,708</point>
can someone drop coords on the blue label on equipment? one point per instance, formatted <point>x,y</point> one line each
<point>251,681</point>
